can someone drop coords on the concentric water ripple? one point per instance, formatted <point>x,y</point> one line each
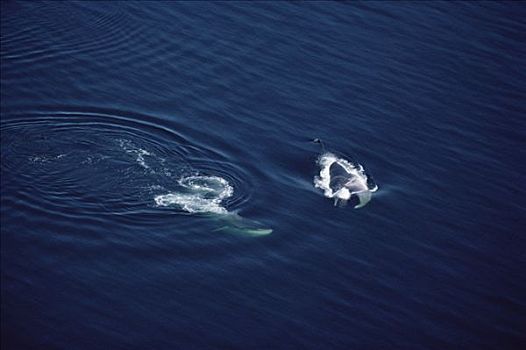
<point>105,164</point>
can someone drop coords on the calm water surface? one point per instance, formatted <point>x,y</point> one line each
<point>107,107</point>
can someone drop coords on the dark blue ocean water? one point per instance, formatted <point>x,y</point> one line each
<point>105,106</point>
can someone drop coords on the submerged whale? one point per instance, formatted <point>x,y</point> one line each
<point>235,223</point>
<point>202,194</point>
<point>343,181</point>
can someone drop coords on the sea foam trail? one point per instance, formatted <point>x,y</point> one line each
<point>205,194</point>
<point>355,180</point>
<point>198,194</point>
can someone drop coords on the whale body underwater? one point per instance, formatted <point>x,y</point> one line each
<point>204,195</point>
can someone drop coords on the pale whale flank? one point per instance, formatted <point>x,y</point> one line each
<point>343,181</point>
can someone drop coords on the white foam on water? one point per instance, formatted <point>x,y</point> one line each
<point>127,146</point>
<point>356,184</point>
<point>45,158</point>
<point>199,194</point>
<point>140,157</point>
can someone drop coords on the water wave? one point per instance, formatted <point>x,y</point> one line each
<point>106,163</point>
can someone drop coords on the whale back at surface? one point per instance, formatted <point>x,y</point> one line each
<point>344,181</point>
<point>339,177</point>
